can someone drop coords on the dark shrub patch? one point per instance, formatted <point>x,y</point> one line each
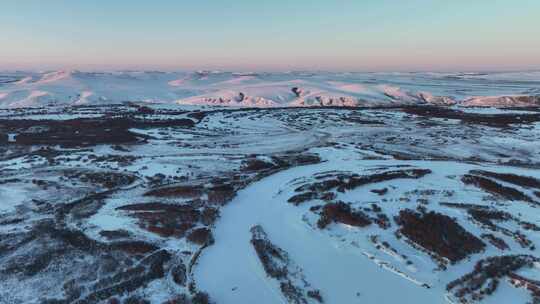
<point>149,269</point>
<point>197,115</point>
<point>302,197</point>
<point>382,191</point>
<point>257,165</point>
<point>486,216</point>
<point>200,236</point>
<point>315,294</point>
<point>293,294</point>
<point>493,120</point>
<point>306,159</point>
<point>135,300</point>
<point>351,181</point>
<point>114,234</point>
<point>177,191</point>
<point>179,274</point>
<point>495,241</point>
<point>495,188</point>
<point>181,299</point>
<point>201,298</point>
<point>385,176</point>
<point>209,215</point>
<point>273,258</point>
<point>145,110</point>
<point>165,220</point>
<point>134,247</point>
<point>484,279</point>
<point>523,181</point>
<point>108,180</point>
<point>342,213</point>
<point>221,194</point>
<point>439,234</point>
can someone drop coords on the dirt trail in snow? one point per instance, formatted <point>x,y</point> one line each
<point>231,272</point>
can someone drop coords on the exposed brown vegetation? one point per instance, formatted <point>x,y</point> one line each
<point>487,217</point>
<point>123,266</point>
<point>293,294</point>
<point>438,234</point>
<point>520,180</point>
<point>273,258</point>
<point>382,191</point>
<point>134,247</point>
<point>83,131</point>
<point>279,266</point>
<point>322,187</point>
<point>257,165</point>
<point>151,268</point>
<point>179,274</point>
<point>495,241</point>
<point>315,294</point>
<point>309,196</point>
<point>495,188</point>
<point>183,191</point>
<point>108,180</point>
<point>492,120</point>
<point>342,213</point>
<point>485,277</point>
<point>200,236</point>
<point>165,220</point>
<point>221,194</point>
<point>114,234</point>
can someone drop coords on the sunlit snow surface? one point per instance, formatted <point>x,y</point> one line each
<point>59,242</point>
<point>29,89</point>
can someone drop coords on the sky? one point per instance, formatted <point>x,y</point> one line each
<point>355,35</point>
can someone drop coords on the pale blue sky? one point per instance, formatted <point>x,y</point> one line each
<point>353,35</point>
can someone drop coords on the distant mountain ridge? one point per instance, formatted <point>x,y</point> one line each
<point>295,89</point>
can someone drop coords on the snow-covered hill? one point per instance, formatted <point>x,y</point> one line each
<point>33,89</point>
